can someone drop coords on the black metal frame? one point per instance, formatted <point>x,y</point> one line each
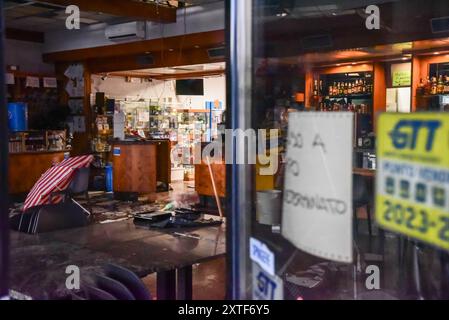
<point>239,177</point>
<point>4,216</point>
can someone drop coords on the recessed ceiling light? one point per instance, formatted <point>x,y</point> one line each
<point>170,49</point>
<point>353,63</point>
<point>404,58</point>
<point>197,46</point>
<point>147,52</point>
<point>338,64</point>
<point>436,53</point>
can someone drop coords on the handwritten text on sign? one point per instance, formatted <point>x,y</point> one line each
<point>412,182</point>
<point>317,210</point>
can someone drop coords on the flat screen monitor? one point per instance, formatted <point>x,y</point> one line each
<point>190,87</point>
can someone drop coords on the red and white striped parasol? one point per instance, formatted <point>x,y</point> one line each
<point>57,178</point>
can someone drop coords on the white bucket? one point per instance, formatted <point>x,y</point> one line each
<point>268,207</point>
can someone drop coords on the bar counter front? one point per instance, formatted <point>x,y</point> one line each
<point>25,168</point>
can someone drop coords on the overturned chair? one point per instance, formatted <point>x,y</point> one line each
<point>50,204</point>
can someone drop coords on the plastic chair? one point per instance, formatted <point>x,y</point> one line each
<point>78,186</point>
<point>130,280</point>
<point>98,294</point>
<point>113,287</point>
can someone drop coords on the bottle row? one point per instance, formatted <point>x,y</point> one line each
<point>433,86</point>
<point>343,88</point>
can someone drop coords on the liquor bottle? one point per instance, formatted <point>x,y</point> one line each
<point>357,87</point>
<point>427,86</point>
<point>440,86</point>
<point>363,88</point>
<point>315,88</point>
<point>434,86</point>
<point>335,91</point>
<point>330,90</point>
<point>421,88</point>
<point>345,92</point>
<point>321,87</point>
<point>446,84</point>
<point>351,88</point>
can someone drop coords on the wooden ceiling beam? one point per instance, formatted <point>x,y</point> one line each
<point>123,8</point>
<point>168,59</point>
<point>167,76</point>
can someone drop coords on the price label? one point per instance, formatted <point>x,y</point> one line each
<point>412,190</point>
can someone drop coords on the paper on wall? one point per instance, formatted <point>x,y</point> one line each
<point>50,82</point>
<point>9,78</point>
<point>317,204</point>
<point>32,82</point>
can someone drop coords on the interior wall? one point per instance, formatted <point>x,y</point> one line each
<point>117,87</point>
<point>27,55</point>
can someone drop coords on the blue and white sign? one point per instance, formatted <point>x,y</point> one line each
<point>265,286</point>
<point>117,152</point>
<point>262,255</point>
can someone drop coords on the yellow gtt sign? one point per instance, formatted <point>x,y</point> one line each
<point>412,181</point>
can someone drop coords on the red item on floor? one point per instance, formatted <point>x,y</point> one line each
<point>57,178</point>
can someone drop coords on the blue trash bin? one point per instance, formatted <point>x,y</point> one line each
<point>109,178</point>
<point>17,116</point>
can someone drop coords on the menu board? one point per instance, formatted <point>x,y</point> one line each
<point>412,183</point>
<point>317,208</point>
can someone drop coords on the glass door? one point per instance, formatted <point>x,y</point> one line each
<point>319,212</point>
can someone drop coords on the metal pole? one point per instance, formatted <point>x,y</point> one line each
<point>240,183</point>
<point>4,216</point>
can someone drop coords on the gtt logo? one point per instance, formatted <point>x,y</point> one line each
<point>406,133</point>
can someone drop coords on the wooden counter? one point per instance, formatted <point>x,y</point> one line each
<point>203,182</point>
<point>134,166</point>
<point>26,168</point>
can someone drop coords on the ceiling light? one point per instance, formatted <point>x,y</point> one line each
<point>197,46</point>
<point>436,53</point>
<point>171,49</point>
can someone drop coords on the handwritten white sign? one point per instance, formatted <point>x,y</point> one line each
<point>50,82</point>
<point>32,82</point>
<point>317,208</point>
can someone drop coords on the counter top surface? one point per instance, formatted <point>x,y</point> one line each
<point>133,142</point>
<point>40,152</point>
<point>39,261</point>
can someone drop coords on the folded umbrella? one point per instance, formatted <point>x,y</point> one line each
<point>57,178</point>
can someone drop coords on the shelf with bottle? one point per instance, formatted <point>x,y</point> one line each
<point>329,106</point>
<point>32,141</point>
<point>433,86</point>
<point>356,85</point>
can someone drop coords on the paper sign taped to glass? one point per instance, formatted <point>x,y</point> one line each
<point>317,204</point>
<point>412,181</point>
